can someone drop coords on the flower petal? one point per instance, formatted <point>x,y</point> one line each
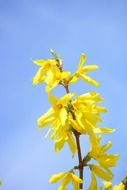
<point>64,99</point>
<point>89,80</point>
<point>57,177</point>
<point>105,174</point>
<point>89,68</point>
<point>75,185</point>
<point>53,100</point>
<point>39,77</point>
<point>42,63</point>
<point>93,185</point>
<point>59,144</point>
<point>81,61</point>
<point>65,181</point>
<point>107,184</point>
<point>119,187</point>
<point>76,126</point>
<point>103,130</point>
<point>73,79</point>
<point>72,144</point>
<point>46,119</point>
<point>76,178</point>
<point>63,115</point>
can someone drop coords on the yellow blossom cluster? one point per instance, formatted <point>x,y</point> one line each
<point>72,114</point>
<point>66,177</point>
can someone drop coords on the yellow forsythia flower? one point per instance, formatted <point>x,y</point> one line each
<point>87,114</point>
<point>119,187</point>
<point>66,178</point>
<point>46,67</point>
<point>57,117</point>
<point>49,73</point>
<point>103,173</point>
<point>105,161</point>
<point>83,70</point>
<point>109,186</point>
<point>59,106</point>
<point>58,111</point>
<point>98,153</point>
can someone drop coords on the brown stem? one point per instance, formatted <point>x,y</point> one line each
<point>77,137</point>
<point>67,89</point>
<point>81,167</point>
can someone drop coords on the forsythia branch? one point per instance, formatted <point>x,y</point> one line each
<point>74,115</point>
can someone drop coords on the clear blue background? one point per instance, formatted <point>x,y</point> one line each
<point>27,30</point>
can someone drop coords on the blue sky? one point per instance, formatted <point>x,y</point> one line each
<point>28,29</point>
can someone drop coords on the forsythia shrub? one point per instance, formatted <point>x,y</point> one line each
<point>72,116</point>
